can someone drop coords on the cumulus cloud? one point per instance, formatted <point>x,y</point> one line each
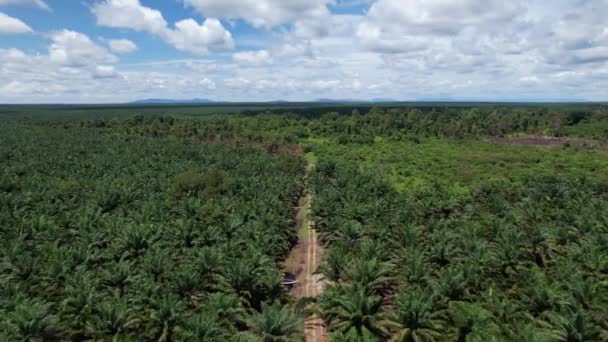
<point>17,88</point>
<point>105,71</point>
<point>441,17</point>
<point>10,25</point>
<point>122,46</point>
<point>325,84</point>
<point>75,49</point>
<point>73,63</point>
<point>207,84</point>
<point>262,13</point>
<point>579,35</point>
<point>188,35</point>
<point>469,49</point>
<point>253,58</point>
<point>391,26</point>
<point>192,37</point>
<point>38,3</point>
<point>129,14</point>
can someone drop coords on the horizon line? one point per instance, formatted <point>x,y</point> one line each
<point>171,102</point>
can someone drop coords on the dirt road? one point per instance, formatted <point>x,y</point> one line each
<point>314,326</point>
<point>303,262</point>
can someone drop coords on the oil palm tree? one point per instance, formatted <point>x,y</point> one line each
<point>527,332</point>
<point>30,320</point>
<point>470,321</point>
<point>227,310</point>
<point>571,325</point>
<point>543,295</point>
<point>77,307</point>
<point>136,239</point>
<point>370,274</point>
<point>351,310</point>
<point>506,313</point>
<point>415,268</point>
<point>353,336</point>
<point>451,283</point>
<point>275,323</point>
<point>416,318</point>
<point>332,267</point>
<point>201,327</point>
<point>113,318</point>
<point>167,315</point>
<point>118,275</point>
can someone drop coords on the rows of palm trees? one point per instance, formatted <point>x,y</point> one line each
<point>113,236</point>
<point>129,232</point>
<point>517,262</point>
<point>285,126</point>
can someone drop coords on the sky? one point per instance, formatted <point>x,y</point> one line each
<point>114,51</point>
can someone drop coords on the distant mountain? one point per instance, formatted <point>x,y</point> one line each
<point>171,101</point>
<point>504,100</point>
<point>377,100</point>
<point>337,100</point>
<point>380,100</point>
<point>278,102</point>
<point>437,99</point>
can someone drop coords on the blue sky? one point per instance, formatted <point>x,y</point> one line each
<point>102,51</point>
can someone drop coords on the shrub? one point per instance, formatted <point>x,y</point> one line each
<point>214,182</point>
<point>189,182</point>
<point>68,186</point>
<point>192,183</point>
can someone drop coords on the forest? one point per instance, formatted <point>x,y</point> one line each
<point>439,222</point>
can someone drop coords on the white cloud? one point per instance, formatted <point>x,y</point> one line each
<point>13,55</point>
<point>262,13</point>
<point>237,83</point>
<point>72,48</point>
<point>191,37</point>
<point>373,38</point>
<point>38,3</point>
<point>122,46</point>
<point>325,84</point>
<point>469,49</point>
<point>253,58</point>
<point>61,74</point>
<point>31,88</point>
<point>129,14</point>
<point>207,84</point>
<point>187,36</point>
<point>441,17</point>
<point>591,54</point>
<point>294,49</point>
<point>579,35</point>
<point>11,25</point>
<point>105,71</point>
<point>392,26</point>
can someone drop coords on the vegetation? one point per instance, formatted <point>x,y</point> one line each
<point>110,236</point>
<point>504,261</point>
<point>456,223</point>
<point>461,166</point>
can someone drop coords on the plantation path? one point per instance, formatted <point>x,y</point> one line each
<point>303,262</point>
<point>314,326</point>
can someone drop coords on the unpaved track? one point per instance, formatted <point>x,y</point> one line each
<point>303,261</point>
<point>314,326</point>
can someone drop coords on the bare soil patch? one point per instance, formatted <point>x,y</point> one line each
<point>296,261</point>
